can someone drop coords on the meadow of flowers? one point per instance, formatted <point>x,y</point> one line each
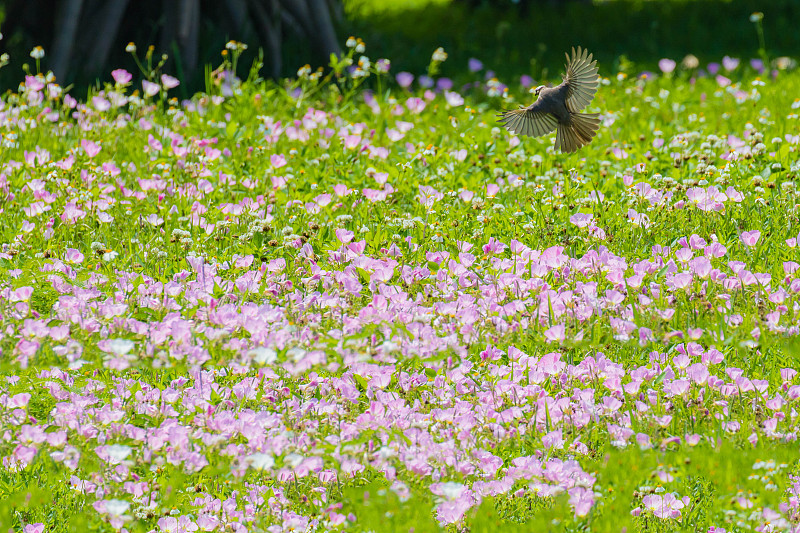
<point>349,301</point>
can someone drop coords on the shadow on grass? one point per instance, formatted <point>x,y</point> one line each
<point>512,43</point>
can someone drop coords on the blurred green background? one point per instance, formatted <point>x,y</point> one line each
<point>85,39</point>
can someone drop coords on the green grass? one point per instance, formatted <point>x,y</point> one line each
<point>278,374</point>
<point>511,42</point>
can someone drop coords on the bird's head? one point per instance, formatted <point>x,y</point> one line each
<point>537,90</point>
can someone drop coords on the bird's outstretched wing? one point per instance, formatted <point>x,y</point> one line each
<point>581,80</point>
<point>528,122</point>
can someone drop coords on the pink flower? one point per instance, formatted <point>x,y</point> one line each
<point>169,82</point>
<point>638,219</point>
<point>341,190</point>
<point>19,400</point>
<point>750,238</point>
<point>453,99</point>
<point>696,242</point>
<point>582,219</point>
<point>207,522</point>
<point>428,196</point>
<point>72,213</point>
<point>493,246</point>
<point>34,83</point>
<point>556,333</point>
<point>667,506</point>
<point>474,64</point>
<point>351,141</point>
<point>23,294</point>
<point>121,76</point>
<point>734,195</point>
<point>581,500</point>
<point>73,256</point>
<point>90,147</point>
<point>404,79</point>
<point>101,104</point>
<point>666,65</point>
<point>710,199</point>
<point>730,63</point>
<point>150,88</point>
<point>460,155</point>
<point>277,160</point>
<point>154,143</point>
<point>554,439</point>
<point>154,220</point>
<point>700,266</point>
<point>344,235</point>
<point>415,105</point>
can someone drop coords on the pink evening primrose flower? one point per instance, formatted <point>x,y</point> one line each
<point>121,76</point>
<point>169,82</point>
<point>750,238</point>
<point>428,196</point>
<point>666,65</point>
<point>150,88</point>
<point>581,219</point>
<point>666,506</point>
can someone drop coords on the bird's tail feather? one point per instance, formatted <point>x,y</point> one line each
<point>582,128</point>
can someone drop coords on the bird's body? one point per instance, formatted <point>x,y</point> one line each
<point>558,108</point>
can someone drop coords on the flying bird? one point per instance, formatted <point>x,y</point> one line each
<point>558,108</point>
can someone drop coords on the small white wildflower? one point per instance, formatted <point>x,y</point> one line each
<point>439,55</point>
<point>118,452</point>
<point>263,356</point>
<point>260,461</point>
<point>121,346</point>
<point>116,507</point>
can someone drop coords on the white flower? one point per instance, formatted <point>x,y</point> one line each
<point>389,347</point>
<point>116,507</point>
<point>121,346</point>
<point>451,490</point>
<point>263,356</point>
<point>118,452</point>
<point>37,52</point>
<point>293,460</point>
<point>296,354</point>
<point>260,461</point>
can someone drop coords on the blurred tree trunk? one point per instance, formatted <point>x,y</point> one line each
<point>81,36</point>
<point>63,43</point>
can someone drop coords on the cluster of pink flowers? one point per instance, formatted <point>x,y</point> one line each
<point>299,303</point>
